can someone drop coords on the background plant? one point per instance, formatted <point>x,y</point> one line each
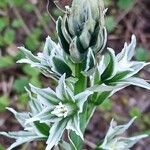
<point>26,82</point>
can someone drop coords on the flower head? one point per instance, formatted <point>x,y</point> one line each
<point>61,108</point>
<point>82,28</point>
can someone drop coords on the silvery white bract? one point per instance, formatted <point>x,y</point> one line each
<point>32,131</point>
<point>51,113</point>
<point>113,140</point>
<point>85,77</point>
<point>61,108</point>
<point>82,28</point>
<point>116,72</point>
<point>51,61</point>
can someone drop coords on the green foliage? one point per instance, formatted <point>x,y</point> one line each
<point>9,36</point>
<point>107,2</point>
<point>20,84</point>
<point>1,147</point>
<point>125,4</point>
<point>3,4</point>
<point>28,7</point>
<point>4,102</point>
<point>106,105</point>
<point>57,12</point>
<point>3,23</point>
<point>110,23</point>
<point>18,3</point>
<point>23,98</point>
<point>16,23</point>
<point>35,80</point>
<point>142,54</point>
<point>83,81</point>
<point>6,61</point>
<point>114,139</point>
<point>33,72</point>
<point>135,111</point>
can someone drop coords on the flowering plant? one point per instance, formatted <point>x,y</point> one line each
<point>86,73</point>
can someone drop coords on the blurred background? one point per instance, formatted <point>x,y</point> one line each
<point>28,23</point>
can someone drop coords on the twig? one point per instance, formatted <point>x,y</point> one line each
<point>3,13</point>
<point>40,18</point>
<point>10,84</point>
<point>55,2</point>
<point>90,144</point>
<point>123,14</point>
<point>9,69</point>
<point>16,12</point>
<point>48,3</point>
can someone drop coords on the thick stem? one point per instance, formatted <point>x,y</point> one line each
<point>81,84</point>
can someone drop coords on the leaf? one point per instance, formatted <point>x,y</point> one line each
<point>111,68</point>
<point>142,54</point>
<point>117,77</point>
<point>106,105</point>
<point>19,3</point>
<point>23,98</point>
<point>35,80</point>
<point>6,61</point>
<point>74,125</point>
<point>64,29</point>
<point>2,147</point>
<point>42,127</point>
<point>135,111</point>
<point>85,36</point>
<point>125,4</point>
<point>127,52</point>
<point>47,96</point>
<point>9,36</point>
<point>28,7</point>
<point>3,23</point>
<point>110,23</point>
<point>113,136</point>
<point>81,98</point>
<point>21,137</point>
<point>90,60</point>
<point>76,49</point>
<point>21,117</point>
<point>130,142</point>
<point>32,42</point>
<point>16,23</point>
<point>101,98</point>
<point>33,72</point>
<point>4,102</point>
<point>29,55</point>
<point>3,3</point>
<point>20,84</point>
<point>55,134</point>
<point>61,67</point>
<point>61,37</point>
<point>137,82</point>
<point>64,145</point>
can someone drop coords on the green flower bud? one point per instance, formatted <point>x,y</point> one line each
<point>81,28</point>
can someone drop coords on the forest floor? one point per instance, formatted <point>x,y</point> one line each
<point>36,21</point>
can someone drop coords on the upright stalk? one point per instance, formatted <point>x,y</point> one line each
<point>80,86</point>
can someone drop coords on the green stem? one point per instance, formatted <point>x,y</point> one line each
<point>80,86</point>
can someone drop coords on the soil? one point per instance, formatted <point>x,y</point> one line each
<point>134,21</point>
